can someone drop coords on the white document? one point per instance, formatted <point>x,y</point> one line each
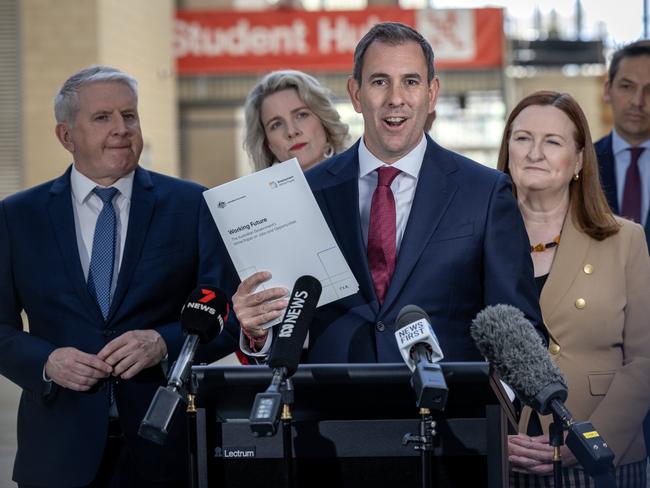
<point>270,221</point>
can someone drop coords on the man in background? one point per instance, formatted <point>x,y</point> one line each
<point>624,154</point>
<point>101,260</point>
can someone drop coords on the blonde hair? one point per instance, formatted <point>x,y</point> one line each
<point>317,98</point>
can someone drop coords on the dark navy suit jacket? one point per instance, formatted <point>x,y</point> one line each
<point>464,247</point>
<point>607,164</point>
<point>171,246</point>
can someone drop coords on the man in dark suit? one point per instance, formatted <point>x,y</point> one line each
<point>101,261</point>
<point>418,224</point>
<point>624,154</point>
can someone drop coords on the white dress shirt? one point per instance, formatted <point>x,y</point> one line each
<point>87,206</point>
<point>403,186</point>
<point>623,158</point>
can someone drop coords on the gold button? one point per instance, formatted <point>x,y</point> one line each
<point>580,303</point>
<point>554,348</point>
<point>588,269</point>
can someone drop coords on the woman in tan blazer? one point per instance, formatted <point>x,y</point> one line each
<point>593,272</point>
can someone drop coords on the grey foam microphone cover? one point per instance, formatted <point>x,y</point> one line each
<point>509,341</point>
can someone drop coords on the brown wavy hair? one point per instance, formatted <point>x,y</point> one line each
<point>589,208</point>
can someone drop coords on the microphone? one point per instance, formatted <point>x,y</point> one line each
<point>420,349</point>
<point>292,331</point>
<point>510,343</point>
<point>516,351</point>
<point>202,319</point>
<point>285,354</point>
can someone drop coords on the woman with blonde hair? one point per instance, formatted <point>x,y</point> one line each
<point>290,114</point>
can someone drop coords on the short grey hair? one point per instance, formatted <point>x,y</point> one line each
<point>315,96</point>
<point>66,101</point>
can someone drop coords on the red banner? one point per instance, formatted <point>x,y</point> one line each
<point>220,42</point>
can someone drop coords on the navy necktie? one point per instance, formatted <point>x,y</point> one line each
<point>102,260</point>
<point>632,191</point>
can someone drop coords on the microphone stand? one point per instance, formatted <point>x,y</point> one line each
<point>428,382</point>
<point>556,439</point>
<point>590,450</point>
<point>286,388</point>
<point>426,448</point>
<point>192,433</point>
<point>423,442</point>
<point>270,406</point>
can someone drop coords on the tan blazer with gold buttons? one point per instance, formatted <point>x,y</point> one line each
<point>596,305</point>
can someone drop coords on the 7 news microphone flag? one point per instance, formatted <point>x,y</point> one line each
<point>202,319</point>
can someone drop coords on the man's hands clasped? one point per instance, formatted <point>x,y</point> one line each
<point>123,357</point>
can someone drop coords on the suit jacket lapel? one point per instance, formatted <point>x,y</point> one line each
<point>342,200</point>
<point>62,219</point>
<point>607,165</point>
<point>433,194</point>
<point>143,202</point>
<point>566,267</point>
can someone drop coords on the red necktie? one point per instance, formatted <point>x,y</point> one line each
<point>632,192</point>
<point>382,232</point>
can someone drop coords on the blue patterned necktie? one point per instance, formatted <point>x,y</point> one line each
<point>102,260</point>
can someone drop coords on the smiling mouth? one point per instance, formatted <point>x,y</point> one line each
<point>394,122</point>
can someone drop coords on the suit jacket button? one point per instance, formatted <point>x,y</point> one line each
<point>581,303</point>
<point>554,348</point>
<point>108,332</point>
<point>380,326</point>
<point>588,269</point>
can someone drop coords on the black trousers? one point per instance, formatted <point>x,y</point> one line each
<point>117,469</point>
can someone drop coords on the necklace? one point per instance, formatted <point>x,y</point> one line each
<point>541,247</point>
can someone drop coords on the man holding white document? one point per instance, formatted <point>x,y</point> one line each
<point>416,223</point>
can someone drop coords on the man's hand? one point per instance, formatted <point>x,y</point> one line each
<point>76,370</point>
<point>133,351</point>
<point>253,310</point>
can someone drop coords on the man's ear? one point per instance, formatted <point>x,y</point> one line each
<point>606,96</point>
<point>64,135</point>
<point>353,92</point>
<point>434,90</point>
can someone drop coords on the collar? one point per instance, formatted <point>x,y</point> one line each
<point>620,145</point>
<point>409,164</point>
<point>82,186</point>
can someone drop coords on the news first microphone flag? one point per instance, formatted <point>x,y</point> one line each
<point>270,221</point>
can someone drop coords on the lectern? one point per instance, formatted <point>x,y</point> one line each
<point>349,424</point>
